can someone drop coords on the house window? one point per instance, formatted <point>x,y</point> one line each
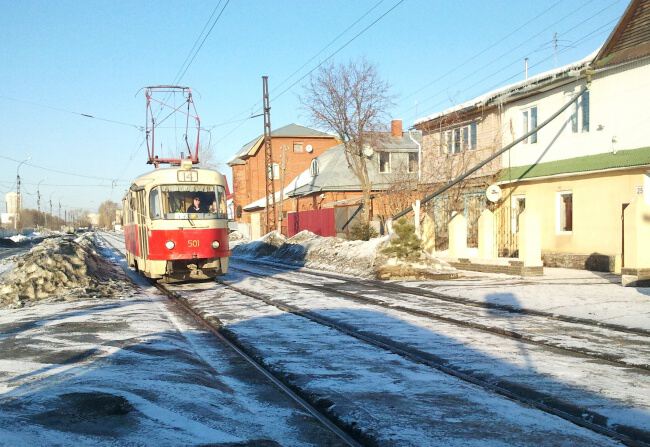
<point>313,167</point>
<point>413,162</point>
<point>297,147</point>
<point>472,135</point>
<point>580,114</point>
<point>456,147</point>
<point>529,122</point>
<point>273,172</point>
<point>565,212</point>
<point>384,162</point>
<point>461,138</point>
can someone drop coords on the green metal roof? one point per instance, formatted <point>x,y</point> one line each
<point>598,162</point>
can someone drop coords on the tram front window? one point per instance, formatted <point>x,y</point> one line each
<point>176,200</point>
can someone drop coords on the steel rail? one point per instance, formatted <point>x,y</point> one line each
<point>215,327</point>
<point>507,333</point>
<point>453,299</point>
<point>515,392</point>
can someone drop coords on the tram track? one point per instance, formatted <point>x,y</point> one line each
<point>398,288</point>
<point>214,326</point>
<point>514,391</point>
<point>444,316</point>
<point>530,397</point>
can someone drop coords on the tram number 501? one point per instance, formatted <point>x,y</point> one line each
<point>193,243</point>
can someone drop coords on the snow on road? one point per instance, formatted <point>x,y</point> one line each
<point>393,400</point>
<point>133,371</point>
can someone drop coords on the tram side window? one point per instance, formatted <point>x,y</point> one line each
<point>154,204</point>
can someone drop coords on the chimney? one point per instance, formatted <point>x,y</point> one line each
<point>396,128</point>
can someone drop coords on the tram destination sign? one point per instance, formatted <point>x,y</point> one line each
<point>187,176</point>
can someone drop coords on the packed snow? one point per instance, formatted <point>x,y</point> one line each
<point>359,258</point>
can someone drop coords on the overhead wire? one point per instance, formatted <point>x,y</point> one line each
<point>518,60</point>
<point>59,109</point>
<point>57,171</point>
<point>483,51</point>
<point>338,50</point>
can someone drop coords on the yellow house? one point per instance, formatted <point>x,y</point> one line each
<point>587,173</point>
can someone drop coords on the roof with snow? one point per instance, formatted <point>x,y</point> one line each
<point>288,131</point>
<point>503,94</point>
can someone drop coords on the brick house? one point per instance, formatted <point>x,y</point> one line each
<point>326,196</point>
<point>294,146</point>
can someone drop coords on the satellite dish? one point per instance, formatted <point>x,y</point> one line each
<point>309,148</point>
<point>493,193</point>
<point>368,151</point>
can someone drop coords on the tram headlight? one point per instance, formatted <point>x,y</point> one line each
<point>215,244</point>
<point>170,245</point>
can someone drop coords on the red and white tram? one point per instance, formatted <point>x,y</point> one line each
<point>166,236</point>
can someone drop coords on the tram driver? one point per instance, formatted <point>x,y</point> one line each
<point>196,207</point>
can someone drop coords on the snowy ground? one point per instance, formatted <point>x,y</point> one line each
<point>619,393</point>
<point>133,371</point>
<point>578,293</point>
<point>392,400</point>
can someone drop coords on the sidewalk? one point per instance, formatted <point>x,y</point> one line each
<point>576,293</point>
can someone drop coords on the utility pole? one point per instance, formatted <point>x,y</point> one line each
<point>38,202</point>
<point>59,208</point>
<point>283,168</point>
<point>268,158</point>
<point>17,201</point>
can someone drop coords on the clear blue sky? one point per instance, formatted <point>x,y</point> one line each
<point>92,57</point>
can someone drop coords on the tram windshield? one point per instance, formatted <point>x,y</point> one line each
<point>179,202</point>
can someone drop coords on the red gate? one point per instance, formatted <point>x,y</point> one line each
<point>320,222</point>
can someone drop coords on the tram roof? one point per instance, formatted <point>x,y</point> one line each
<point>169,176</point>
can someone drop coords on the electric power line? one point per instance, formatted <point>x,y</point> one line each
<point>57,171</point>
<point>241,121</point>
<point>518,60</point>
<point>480,53</point>
<point>59,109</point>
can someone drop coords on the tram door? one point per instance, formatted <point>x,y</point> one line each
<point>142,224</point>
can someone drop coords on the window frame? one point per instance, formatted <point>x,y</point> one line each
<point>529,120</point>
<point>301,145</point>
<point>559,203</point>
<point>416,162</point>
<point>388,164</point>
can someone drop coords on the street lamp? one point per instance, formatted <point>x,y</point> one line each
<point>18,198</point>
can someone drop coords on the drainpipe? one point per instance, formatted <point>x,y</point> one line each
<point>419,156</point>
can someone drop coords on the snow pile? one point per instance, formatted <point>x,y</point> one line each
<point>361,258</point>
<point>311,250</point>
<point>264,246</point>
<point>60,268</point>
<point>235,238</point>
<point>18,238</point>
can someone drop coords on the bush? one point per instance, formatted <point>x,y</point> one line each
<point>362,231</point>
<point>405,244</point>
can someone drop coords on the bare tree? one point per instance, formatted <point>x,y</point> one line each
<point>350,100</point>
<point>107,213</point>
